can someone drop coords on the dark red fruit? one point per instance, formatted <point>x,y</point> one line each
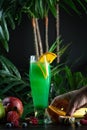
<point>33,120</point>
<point>83,122</point>
<point>13,103</point>
<point>13,117</point>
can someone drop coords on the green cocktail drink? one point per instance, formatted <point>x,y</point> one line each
<point>40,83</point>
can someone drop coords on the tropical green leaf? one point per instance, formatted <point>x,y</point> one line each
<point>9,86</point>
<point>52,7</point>
<point>69,76</point>
<point>82,5</point>
<point>10,20</point>
<point>62,90</point>
<point>7,80</point>
<point>55,44</point>
<point>41,9</point>
<point>71,4</point>
<point>77,6</point>
<point>65,8</point>
<point>62,50</point>
<point>5,73</point>
<point>21,87</point>
<point>3,40</point>
<point>57,69</point>
<point>8,66</point>
<point>5,28</point>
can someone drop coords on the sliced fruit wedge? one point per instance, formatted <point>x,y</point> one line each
<point>44,68</point>
<point>49,57</point>
<point>56,111</point>
<point>46,58</point>
<point>78,114</point>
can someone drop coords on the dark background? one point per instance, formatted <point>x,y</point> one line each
<point>73,29</point>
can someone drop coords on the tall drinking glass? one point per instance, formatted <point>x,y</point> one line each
<point>40,85</point>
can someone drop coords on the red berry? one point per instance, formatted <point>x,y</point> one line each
<point>83,122</point>
<point>33,120</point>
<point>12,116</point>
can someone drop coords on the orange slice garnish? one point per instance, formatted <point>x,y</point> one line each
<point>46,58</point>
<point>49,57</point>
<point>57,111</point>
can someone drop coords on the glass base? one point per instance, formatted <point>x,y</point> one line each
<point>40,115</point>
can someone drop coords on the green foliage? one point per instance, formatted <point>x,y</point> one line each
<point>11,12</point>
<point>62,49</point>
<point>12,84</point>
<point>64,80</point>
<point>76,6</point>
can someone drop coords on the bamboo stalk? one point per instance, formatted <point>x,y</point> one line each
<point>39,38</point>
<point>46,33</point>
<point>35,38</point>
<point>57,30</point>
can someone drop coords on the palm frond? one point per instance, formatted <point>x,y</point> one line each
<point>11,82</point>
<point>57,42</point>
<point>9,67</point>
<point>76,6</point>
